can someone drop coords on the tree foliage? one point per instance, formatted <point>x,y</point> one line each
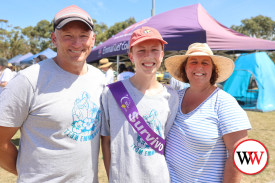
<point>103,33</point>
<point>39,36</point>
<point>259,27</point>
<point>16,40</point>
<point>12,42</point>
<point>34,39</point>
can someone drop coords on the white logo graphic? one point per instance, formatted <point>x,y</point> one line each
<point>250,156</point>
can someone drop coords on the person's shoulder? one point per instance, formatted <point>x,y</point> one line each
<point>171,91</point>
<point>223,95</point>
<point>95,71</point>
<point>7,70</point>
<point>30,71</point>
<point>226,100</point>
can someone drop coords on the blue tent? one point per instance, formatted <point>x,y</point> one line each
<point>13,59</point>
<point>253,82</point>
<point>16,60</point>
<point>48,53</point>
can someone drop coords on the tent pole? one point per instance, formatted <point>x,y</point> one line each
<point>153,7</point>
<point>117,64</point>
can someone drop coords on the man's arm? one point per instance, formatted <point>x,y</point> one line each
<point>231,140</point>
<point>8,151</point>
<point>105,144</point>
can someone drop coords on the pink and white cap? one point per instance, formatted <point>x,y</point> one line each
<point>72,13</point>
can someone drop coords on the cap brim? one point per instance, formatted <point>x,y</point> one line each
<point>62,23</point>
<point>225,66</point>
<point>147,38</point>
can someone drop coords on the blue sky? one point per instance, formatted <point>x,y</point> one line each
<point>25,13</point>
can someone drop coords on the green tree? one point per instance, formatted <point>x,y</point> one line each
<point>12,42</point>
<point>118,27</point>
<point>259,27</point>
<point>102,32</point>
<point>17,43</point>
<point>4,43</point>
<point>39,36</point>
<point>99,30</point>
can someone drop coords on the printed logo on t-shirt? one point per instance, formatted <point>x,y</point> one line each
<point>85,125</point>
<point>140,146</point>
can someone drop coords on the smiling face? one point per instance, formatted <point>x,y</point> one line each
<point>147,56</point>
<point>74,43</point>
<point>199,69</point>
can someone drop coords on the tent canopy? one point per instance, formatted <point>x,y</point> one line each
<point>48,53</point>
<point>13,59</point>
<point>17,60</point>
<point>253,82</point>
<point>180,28</point>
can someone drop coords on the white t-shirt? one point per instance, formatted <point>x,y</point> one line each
<point>132,159</point>
<point>195,150</point>
<point>125,75</point>
<point>178,85</point>
<point>58,113</point>
<point>109,76</point>
<point>6,76</point>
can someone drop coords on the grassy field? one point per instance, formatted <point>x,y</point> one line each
<point>263,130</point>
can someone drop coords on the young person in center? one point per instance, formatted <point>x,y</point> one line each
<point>127,156</point>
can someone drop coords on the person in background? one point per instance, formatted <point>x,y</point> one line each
<point>209,123</point>
<point>12,68</point>
<point>178,85</point>
<point>39,58</point>
<point>123,73</point>
<point>127,156</point>
<point>130,69</point>
<point>105,66</point>
<point>5,74</point>
<point>56,106</point>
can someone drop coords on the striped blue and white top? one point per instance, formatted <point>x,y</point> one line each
<point>195,150</point>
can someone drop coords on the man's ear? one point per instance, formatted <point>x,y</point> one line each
<point>93,40</point>
<point>53,37</point>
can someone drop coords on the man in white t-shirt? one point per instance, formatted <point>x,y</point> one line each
<point>5,73</point>
<point>56,106</point>
<point>105,66</point>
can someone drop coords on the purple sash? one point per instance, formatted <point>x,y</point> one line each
<point>129,109</point>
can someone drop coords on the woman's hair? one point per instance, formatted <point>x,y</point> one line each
<point>213,78</point>
<point>122,68</point>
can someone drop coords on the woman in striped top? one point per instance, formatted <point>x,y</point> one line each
<point>209,123</point>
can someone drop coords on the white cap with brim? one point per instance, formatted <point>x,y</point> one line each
<point>67,20</point>
<point>72,13</point>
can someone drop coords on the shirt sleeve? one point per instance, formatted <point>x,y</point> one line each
<point>232,117</point>
<point>15,102</point>
<point>6,75</point>
<point>105,119</point>
<point>119,78</point>
<point>173,105</point>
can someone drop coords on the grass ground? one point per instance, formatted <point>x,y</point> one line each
<point>263,130</point>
